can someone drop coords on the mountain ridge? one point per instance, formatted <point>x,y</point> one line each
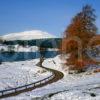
<point>28,35</point>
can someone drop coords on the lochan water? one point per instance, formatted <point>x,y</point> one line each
<point>22,56</point>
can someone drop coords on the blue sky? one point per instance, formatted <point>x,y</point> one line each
<point>52,16</point>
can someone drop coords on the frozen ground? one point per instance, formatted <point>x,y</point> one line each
<point>18,48</point>
<point>14,74</point>
<point>84,86</point>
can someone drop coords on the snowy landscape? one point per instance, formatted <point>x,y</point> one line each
<point>20,73</point>
<point>49,50</point>
<point>83,86</point>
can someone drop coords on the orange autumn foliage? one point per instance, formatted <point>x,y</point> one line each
<point>82,27</point>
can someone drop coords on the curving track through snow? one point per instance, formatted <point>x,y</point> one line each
<point>57,76</point>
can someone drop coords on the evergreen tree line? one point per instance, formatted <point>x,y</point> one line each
<point>46,43</point>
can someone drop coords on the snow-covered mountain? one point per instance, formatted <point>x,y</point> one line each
<point>28,35</point>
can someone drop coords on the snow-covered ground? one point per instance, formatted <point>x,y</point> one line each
<point>14,74</point>
<point>18,48</point>
<point>84,86</point>
<point>25,49</point>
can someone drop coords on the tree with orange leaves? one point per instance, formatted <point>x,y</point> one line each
<point>82,28</point>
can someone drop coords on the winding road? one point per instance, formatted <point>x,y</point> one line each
<point>57,76</point>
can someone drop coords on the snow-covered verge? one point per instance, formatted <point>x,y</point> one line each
<point>18,48</point>
<point>77,95</point>
<point>14,74</point>
<point>84,86</point>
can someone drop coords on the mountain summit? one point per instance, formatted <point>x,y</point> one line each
<point>28,35</point>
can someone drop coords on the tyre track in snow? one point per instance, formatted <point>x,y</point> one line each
<point>57,76</point>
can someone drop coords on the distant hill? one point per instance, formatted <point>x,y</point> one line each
<point>27,35</point>
<point>32,38</point>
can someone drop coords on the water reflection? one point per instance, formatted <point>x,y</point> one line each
<point>22,56</point>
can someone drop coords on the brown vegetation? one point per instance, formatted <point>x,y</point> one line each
<point>76,37</point>
<point>96,41</point>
